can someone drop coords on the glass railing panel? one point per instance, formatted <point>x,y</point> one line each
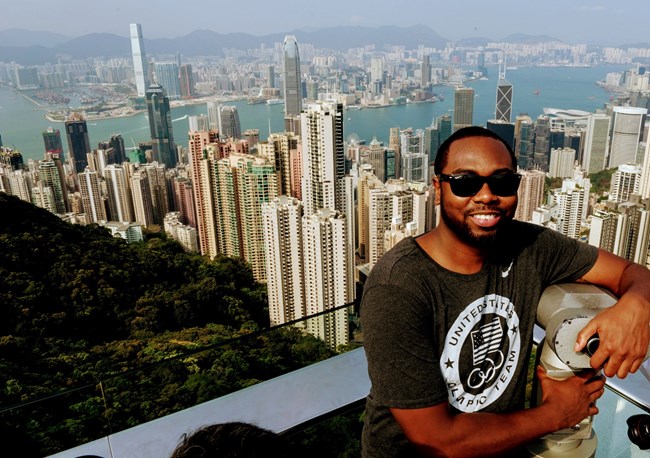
<point>178,375</point>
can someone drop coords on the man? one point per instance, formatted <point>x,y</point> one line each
<point>448,318</point>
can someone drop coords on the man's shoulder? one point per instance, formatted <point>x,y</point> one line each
<point>404,256</point>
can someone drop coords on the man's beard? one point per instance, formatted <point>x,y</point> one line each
<point>461,228</point>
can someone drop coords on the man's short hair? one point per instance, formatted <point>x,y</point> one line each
<point>231,440</point>
<point>466,132</point>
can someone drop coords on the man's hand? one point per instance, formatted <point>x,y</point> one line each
<point>571,400</point>
<point>624,328</point>
<point>624,337</point>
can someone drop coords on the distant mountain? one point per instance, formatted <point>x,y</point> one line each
<point>530,39</point>
<point>644,44</point>
<point>20,37</point>
<point>30,48</point>
<point>207,42</point>
<point>474,42</point>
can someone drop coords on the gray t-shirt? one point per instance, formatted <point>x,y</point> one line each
<point>433,336</point>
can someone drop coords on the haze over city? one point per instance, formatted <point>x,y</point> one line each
<point>612,23</point>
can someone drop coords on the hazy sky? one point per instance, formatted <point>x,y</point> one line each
<point>573,21</point>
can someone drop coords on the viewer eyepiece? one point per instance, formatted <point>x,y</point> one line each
<point>639,430</point>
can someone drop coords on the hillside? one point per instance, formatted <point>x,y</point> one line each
<point>147,320</point>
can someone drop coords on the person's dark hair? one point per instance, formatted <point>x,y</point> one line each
<point>232,440</point>
<point>465,132</point>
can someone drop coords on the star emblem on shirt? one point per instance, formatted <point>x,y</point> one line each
<point>449,363</point>
<point>514,329</point>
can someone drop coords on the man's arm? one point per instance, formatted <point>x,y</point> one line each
<point>436,431</point>
<point>624,329</point>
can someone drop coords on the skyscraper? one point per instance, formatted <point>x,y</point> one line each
<point>627,127</point>
<point>243,183</point>
<point>48,175</point>
<point>282,219</point>
<point>186,81</point>
<point>142,201</point>
<point>270,76</point>
<point>530,194</point>
<point>625,182</point>
<point>91,197</point>
<point>78,142</point>
<point>504,129</point>
<point>425,72</point>
<point>230,127</point>
<point>167,76</point>
<point>326,269</point>
<point>323,157</point>
<point>414,159</point>
<point>140,64</point>
<point>463,107</point>
<point>120,202</point>
<point>160,126</point>
<point>504,100</point>
<point>292,80</point>
<point>52,142</point>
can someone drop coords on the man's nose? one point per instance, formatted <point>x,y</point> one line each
<point>485,194</point>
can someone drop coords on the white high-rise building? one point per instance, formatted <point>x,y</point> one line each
<point>326,273</point>
<point>282,224</point>
<point>323,158</point>
<point>572,202</point>
<point>120,202</point>
<point>142,201</point>
<point>644,187</point>
<point>91,197</point>
<point>376,69</point>
<point>140,65</point>
<point>367,181</point>
<point>562,162</point>
<point>625,182</point>
<point>627,127</point>
<point>20,184</point>
<point>414,158</point>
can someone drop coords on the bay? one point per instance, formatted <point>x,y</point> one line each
<point>22,122</point>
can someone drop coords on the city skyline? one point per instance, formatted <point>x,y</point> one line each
<point>579,23</point>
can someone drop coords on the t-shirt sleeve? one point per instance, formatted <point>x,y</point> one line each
<point>399,343</point>
<point>564,259</point>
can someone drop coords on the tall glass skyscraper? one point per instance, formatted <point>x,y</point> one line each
<point>78,142</point>
<point>229,123</point>
<point>292,82</point>
<point>160,125</point>
<point>139,60</point>
<point>52,142</point>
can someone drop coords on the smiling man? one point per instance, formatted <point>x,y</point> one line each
<point>448,318</point>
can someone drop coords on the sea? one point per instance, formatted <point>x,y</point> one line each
<point>22,121</point>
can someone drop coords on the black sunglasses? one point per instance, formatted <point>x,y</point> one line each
<point>468,184</point>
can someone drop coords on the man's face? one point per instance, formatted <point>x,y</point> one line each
<point>476,220</point>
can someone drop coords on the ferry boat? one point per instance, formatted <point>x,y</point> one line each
<point>274,101</point>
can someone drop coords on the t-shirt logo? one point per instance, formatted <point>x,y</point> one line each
<point>481,353</point>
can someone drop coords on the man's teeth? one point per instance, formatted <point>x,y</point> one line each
<point>485,217</point>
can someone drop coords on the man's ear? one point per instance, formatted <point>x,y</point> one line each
<point>436,187</point>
